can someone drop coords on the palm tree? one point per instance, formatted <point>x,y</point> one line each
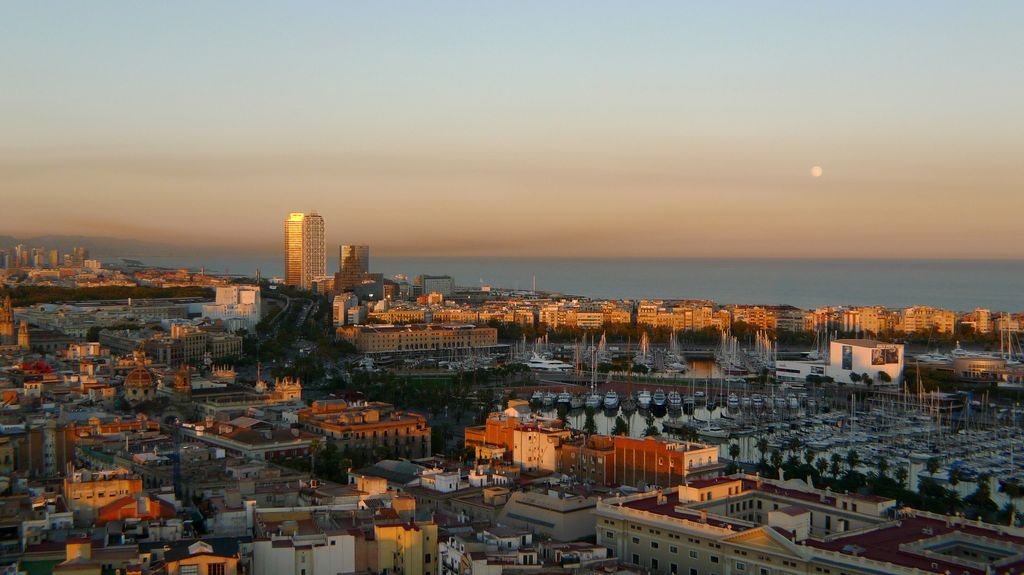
<point>836,466</point>
<point>793,445</point>
<point>883,466</point>
<point>589,424</point>
<point>852,459</point>
<point>621,426</point>
<point>954,476</point>
<point>821,465</point>
<point>809,457</point>
<point>762,447</point>
<point>933,465</point>
<point>901,476</point>
<point>776,458</point>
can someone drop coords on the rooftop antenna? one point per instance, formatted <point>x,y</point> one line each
<point>534,283</point>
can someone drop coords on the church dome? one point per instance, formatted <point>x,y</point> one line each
<point>139,377</point>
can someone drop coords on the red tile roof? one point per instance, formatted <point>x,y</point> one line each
<point>883,544</point>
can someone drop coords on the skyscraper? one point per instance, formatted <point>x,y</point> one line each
<point>354,267</point>
<point>305,258</point>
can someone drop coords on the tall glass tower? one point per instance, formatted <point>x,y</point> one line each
<point>305,257</point>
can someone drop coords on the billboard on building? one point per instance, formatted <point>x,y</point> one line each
<point>848,357</point>
<point>885,355</point>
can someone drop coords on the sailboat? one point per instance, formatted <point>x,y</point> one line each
<point>594,399</point>
<point>674,359</point>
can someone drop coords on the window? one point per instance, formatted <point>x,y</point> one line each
<point>610,534</point>
<point>654,544</point>
<point>636,559</point>
<point>714,558</point>
<point>693,571</point>
<point>189,570</point>
<point>673,549</point>
<point>693,554</point>
<point>636,540</point>
<point>426,558</point>
<point>740,566</point>
<point>765,571</point>
<point>215,569</point>
<point>654,563</point>
<point>673,568</point>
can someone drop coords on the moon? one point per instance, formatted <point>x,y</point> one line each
<point>816,172</point>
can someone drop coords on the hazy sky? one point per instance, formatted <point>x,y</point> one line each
<point>533,128</point>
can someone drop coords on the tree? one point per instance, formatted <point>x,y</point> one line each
<point>855,377</point>
<point>884,376</point>
<point>901,476</point>
<point>866,379</point>
<point>734,450</point>
<point>809,457</point>
<point>933,465</point>
<point>883,466</point>
<point>621,426</point>
<point>762,447</point>
<point>852,459</point>
<point>776,458</point>
<point>589,424</point>
<point>954,476</point>
<point>821,465</point>
<point>836,465</point>
<point>981,500</point>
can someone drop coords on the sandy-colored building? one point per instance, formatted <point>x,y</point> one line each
<point>418,337</point>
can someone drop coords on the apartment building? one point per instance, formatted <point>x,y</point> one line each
<point>418,337</point>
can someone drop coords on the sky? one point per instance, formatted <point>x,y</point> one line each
<point>532,128</point>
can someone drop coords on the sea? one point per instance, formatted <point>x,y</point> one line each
<point>806,283</point>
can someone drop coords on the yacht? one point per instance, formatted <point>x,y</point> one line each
<point>675,401</point>
<point>699,396</point>
<point>713,432</point>
<point>537,397</point>
<point>594,400</point>
<point>644,399</point>
<point>576,402</point>
<point>658,399</point>
<point>611,399</point>
<point>688,404</point>
<point>538,363</point>
<point>549,399</point>
<point>793,402</point>
<point>564,398</point>
<point>735,379</point>
<point>758,402</point>
<point>746,402</point>
<point>734,401</point>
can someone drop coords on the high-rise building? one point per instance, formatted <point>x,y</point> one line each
<point>304,256</point>
<point>353,266</point>
<point>79,255</point>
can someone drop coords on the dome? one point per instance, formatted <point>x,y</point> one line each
<point>139,377</point>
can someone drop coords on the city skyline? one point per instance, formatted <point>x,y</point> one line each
<point>662,130</point>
